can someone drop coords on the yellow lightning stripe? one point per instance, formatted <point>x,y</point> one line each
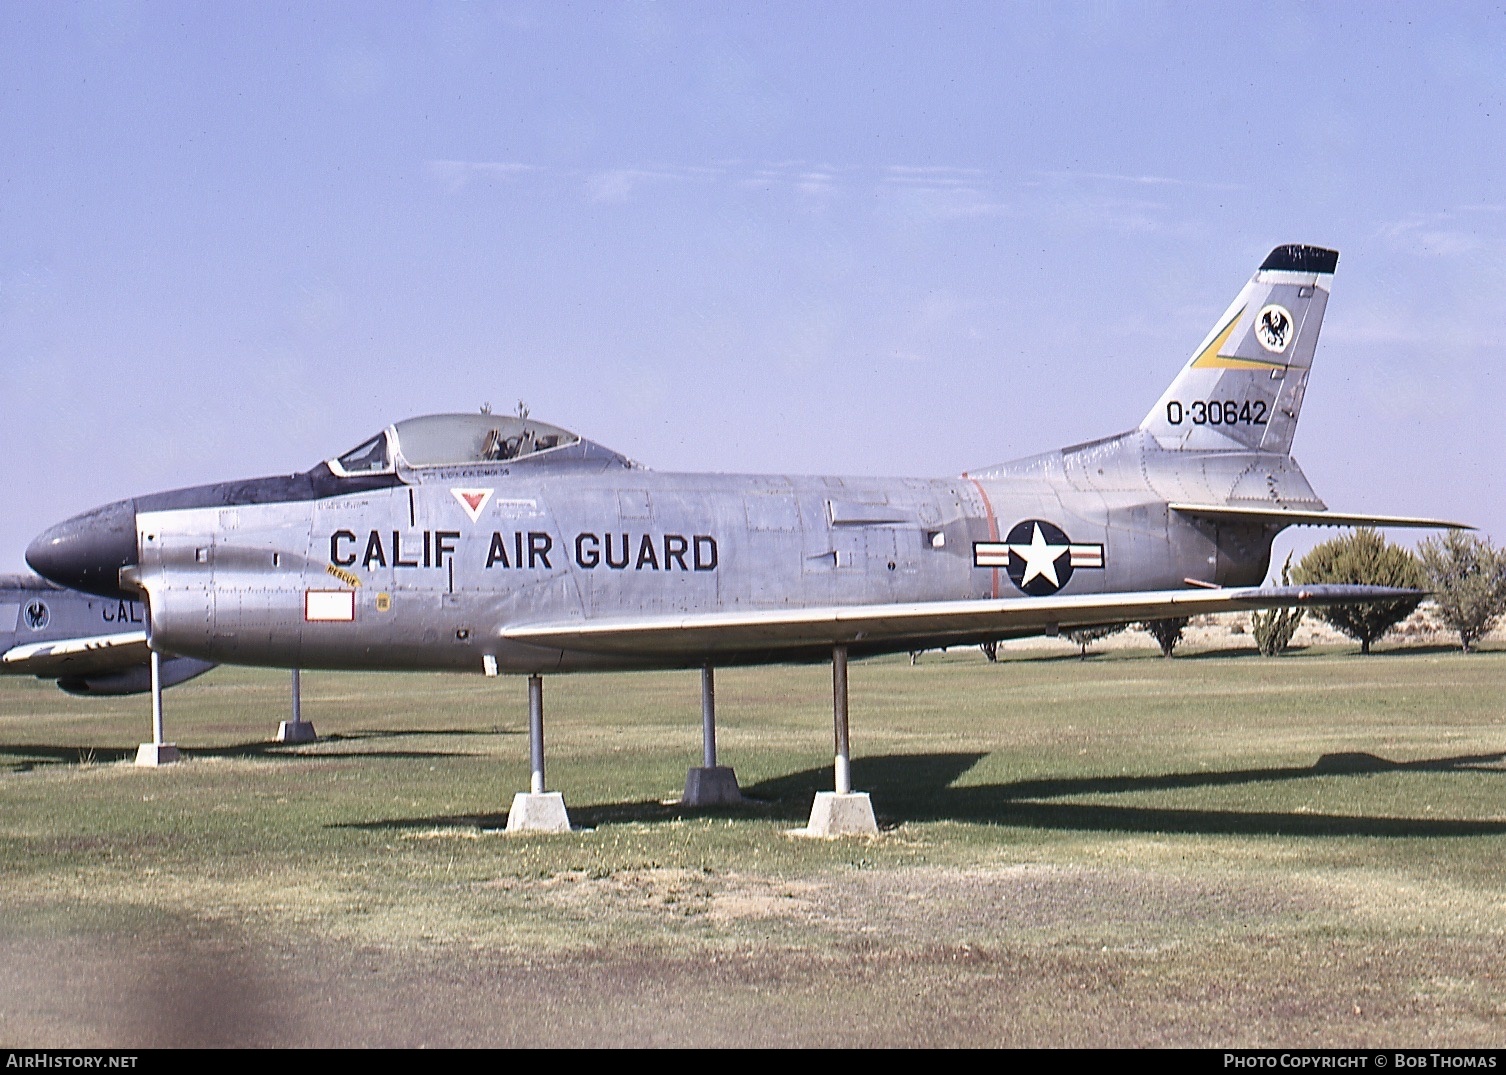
<point>1209,357</point>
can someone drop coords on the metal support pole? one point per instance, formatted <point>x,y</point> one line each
<point>536,732</point>
<point>157,735</point>
<point>839,719</point>
<point>537,810</point>
<point>708,716</point>
<point>842,812</point>
<point>710,784</point>
<point>159,751</point>
<point>295,730</point>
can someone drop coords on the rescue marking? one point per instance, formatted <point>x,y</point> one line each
<point>350,578</point>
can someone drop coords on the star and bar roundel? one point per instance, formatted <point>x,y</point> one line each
<point>1038,555</point>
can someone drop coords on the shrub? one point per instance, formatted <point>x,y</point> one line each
<point>1273,628</point>
<point>1086,636</point>
<point>1366,558</point>
<point>1468,578</point>
<point>1167,633</point>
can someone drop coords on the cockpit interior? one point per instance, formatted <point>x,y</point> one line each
<point>439,440</point>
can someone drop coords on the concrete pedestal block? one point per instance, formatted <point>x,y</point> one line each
<point>711,787</point>
<point>157,754</point>
<point>542,812</point>
<point>296,731</point>
<point>841,815</point>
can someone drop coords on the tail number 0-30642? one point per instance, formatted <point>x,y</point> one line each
<point>1213,412</point>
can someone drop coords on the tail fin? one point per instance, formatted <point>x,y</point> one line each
<point>1242,389</point>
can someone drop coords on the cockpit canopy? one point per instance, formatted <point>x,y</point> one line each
<point>439,440</point>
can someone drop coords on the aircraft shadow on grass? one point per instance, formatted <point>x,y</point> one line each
<point>23,758</point>
<point>387,733</point>
<point>919,787</point>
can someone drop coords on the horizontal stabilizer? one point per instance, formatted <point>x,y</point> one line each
<point>1288,517</point>
<point>678,639</point>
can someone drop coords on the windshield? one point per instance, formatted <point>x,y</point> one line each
<point>368,458</point>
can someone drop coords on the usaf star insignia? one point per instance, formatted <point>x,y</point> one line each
<point>1038,555</point>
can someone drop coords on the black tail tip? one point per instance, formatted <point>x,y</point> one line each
<point>1297,258</point>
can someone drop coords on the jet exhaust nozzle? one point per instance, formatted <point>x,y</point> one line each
<point>87,551</point>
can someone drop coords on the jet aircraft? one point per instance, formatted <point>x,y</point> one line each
<point>89,644</point>
<point>501,544</point>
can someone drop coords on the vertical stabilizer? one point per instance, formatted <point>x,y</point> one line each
<point>1242,389</point>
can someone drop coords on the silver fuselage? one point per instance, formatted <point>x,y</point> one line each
<point>431,588</point>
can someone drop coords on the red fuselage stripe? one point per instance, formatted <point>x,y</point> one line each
<point>993,525</point>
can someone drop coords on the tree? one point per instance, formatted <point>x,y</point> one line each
<point>1086,636</point>
<point>1273,628</point>
<point>1366,558</point>
<point>1468,578</point>
<point>1167,633</point>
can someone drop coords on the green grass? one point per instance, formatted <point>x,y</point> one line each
<point>1214,850</point>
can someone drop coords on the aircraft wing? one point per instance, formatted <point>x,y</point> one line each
<point>1288,517</point>
<point>927,625</point>
<point>77,656</point>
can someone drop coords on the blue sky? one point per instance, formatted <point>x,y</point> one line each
<point>810,237</point>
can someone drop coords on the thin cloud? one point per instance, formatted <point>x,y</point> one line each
<point>819,181</point>
<point>454,175</point>
<point>1132,216</point>
<point>799,177</point>
<point>1379,327</point>
<point>621,184</point>
<point>602,185</point>
<point>941,192</point>
<point>1142,180</point>
<point>1451,233</point>
<point>936,175</point>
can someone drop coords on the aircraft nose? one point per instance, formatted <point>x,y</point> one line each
<point>87,551</point>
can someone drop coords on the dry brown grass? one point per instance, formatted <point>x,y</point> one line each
<point>1217,851</point>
